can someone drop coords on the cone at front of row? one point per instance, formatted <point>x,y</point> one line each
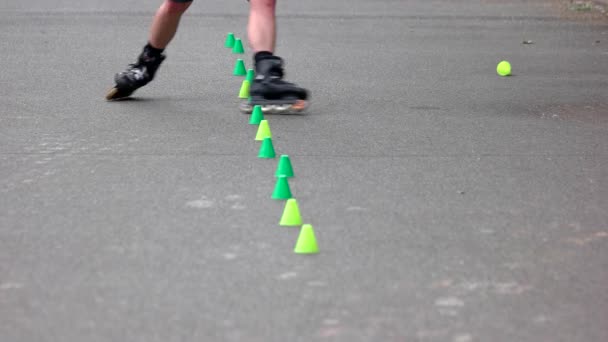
<point>244,92</point>
<point>307,242</point>
<point>266,149</point>
<point>281,189</point>
<point>256,115</point>
<point>229,43</point>
<point>263,131</point>
<point>291,214</point>
<point>284,168</point>
<point>239,68</point>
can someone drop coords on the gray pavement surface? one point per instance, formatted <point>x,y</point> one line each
<point>450,204</point>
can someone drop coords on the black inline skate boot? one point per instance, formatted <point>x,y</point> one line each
<point>270,91</point>
<point>135,76</point>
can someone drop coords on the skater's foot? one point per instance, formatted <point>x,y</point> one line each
<point>275,95</point>
<point>278,107</point>
<point>136,75</point>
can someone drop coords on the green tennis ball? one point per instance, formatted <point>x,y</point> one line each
<point>503,68</point>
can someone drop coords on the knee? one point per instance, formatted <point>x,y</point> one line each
<point>176,7</point>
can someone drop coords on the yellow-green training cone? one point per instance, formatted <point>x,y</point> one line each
<point>291,214</point>
<point>263,131</point>
<point>244,92</point>
<point>229,43</point>
<point>307,243</point>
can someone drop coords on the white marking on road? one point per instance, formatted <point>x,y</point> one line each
<point>238,206</point>
<point>541,319</point>
<point>449,302</point>
<point>10,286</point>
<point>463,338</point>
<point>202,203</point>
<point>234,197</point>
<point>331,321</point>
<point>229,256</point>
<point>317,283</point>
<point>287,275</point>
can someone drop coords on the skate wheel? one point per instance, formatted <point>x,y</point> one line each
<point>296,107</point>
<point>268,109</point>
<point>246,108</point>
<point>282,109</point>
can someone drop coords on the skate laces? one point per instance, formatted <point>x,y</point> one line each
<point>144,65</point>
<point>136,71</point>
<point>270,68</point>
<point>147,61</point>
<point>276,72</point>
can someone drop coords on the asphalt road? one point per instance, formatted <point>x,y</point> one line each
<point>449,204</point>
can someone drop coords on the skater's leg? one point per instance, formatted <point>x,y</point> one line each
<point>261,29</point>
<point>162,31</point>
<point>269,89</point>
<point>166,21</point>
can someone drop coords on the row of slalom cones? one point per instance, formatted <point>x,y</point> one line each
<point>291,217</point>
<point>239,68</point>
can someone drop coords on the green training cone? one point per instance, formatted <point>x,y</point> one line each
<point>229,40</point>
<point>307,243</point>
<point>284,168</point>
<point>281,189</point>
<point>291,214</point>
<point>250,75</point>
<point>238,46</point>
<point>256,116</point>
<point>266,149</point>
<point>239,68</point>
<point>263,131</point>
<point>244,92</point>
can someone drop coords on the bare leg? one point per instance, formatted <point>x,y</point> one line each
<point>165,23</point>
<point>268,89</point>
<point>162,31</point>
<point>261,29</point>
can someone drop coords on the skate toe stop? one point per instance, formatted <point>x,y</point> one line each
<point>300,105</point>
<point>110,95</point>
